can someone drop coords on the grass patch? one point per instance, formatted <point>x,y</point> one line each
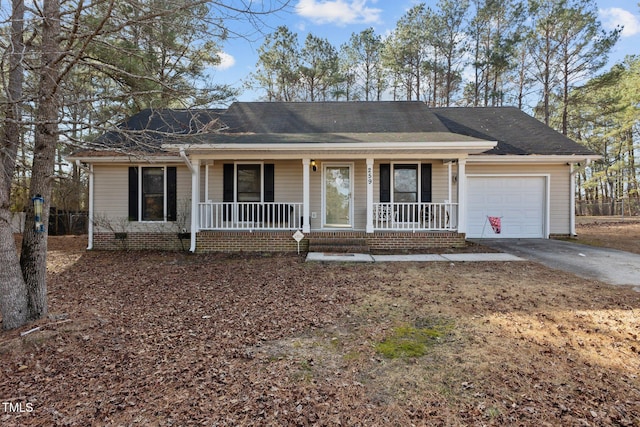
<point>412,340</point>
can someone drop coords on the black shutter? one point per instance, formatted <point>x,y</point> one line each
<point>269,191</point>
<point>425,187</point>
<point>227,183</point>
<point>133,193</point>
<point>172,195</point>
<point>385,183</point>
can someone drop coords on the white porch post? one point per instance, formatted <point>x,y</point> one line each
<point>449,180</point>
<point>306,215</point>
<point>369,196</point>
<point>91,203</point>
<point>462,196</point>
<point>207,164</point>
<point>572,200</point>
<point>195,200</point>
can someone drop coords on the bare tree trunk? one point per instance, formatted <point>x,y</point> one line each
<point>565,96</point>
<point>34,244</point>
<point>13,291</point>
<point>546,79</point>
<point>632,190</point>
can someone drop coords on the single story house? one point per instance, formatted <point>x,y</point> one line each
<point>384,175</point>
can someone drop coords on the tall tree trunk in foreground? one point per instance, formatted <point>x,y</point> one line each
<point>13,291</point>
<point>34,244</point>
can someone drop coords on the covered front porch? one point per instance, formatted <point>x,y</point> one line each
<point>361,184</point>
<point>327,195</point>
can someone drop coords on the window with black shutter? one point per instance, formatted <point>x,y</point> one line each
<point>152,193</point>
<point>250,182</point>
<point>400,183</point>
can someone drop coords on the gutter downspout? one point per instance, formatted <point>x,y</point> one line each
<point>91,213</point>
<point>187,161</point>
<point>194,201</point>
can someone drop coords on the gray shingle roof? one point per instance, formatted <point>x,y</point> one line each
<point>516,132</point>
<point>148,129</point>
<point>331,117</point>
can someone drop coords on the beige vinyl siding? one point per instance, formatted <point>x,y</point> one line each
<point>440,183</point>
<point>288,181</point>
<point>111,192</point>
<point>559,197</point>
<point>215,182</point>
<point>315,195</point>
<point>111,199</point>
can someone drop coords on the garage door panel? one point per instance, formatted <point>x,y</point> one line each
<point>519,201</point>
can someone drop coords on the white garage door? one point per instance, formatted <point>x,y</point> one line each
<point>518,201</point>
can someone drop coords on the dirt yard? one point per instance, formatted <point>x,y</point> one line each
<point>610,232</point>
<point>167,339</point>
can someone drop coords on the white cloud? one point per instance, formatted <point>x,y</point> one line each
<point>614,16</point>
<point>340,12</point>
<point>226,61</point>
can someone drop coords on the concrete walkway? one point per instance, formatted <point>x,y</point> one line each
<point>466,257</point>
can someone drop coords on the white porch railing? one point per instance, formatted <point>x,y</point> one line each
<point>288,216</point>
<point>415,216</point>
<point>250,216</point>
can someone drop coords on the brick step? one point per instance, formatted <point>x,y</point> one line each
<point>338,245</point>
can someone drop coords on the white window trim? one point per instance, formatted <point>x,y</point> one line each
<point>141,195</point>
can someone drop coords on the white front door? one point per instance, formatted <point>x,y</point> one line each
<point>337,194</point>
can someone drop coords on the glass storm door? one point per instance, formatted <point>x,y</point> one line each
<point>338,203</point>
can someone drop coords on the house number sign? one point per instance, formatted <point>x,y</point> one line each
<point>369,175</point>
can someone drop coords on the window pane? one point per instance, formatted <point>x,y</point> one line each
<point>405,180</point>
<point>153,180</point>
<point>249,183</point>
<point>153,208</point>
<point>405,184</point>
<point>152,194</point>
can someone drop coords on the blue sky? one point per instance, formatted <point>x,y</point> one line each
<point>336,20</point>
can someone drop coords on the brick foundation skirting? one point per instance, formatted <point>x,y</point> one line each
<point>282,241</point>
<point>274,241</point>
<point>399,241</point>
<point>245,241</point>
<point>140,241</point>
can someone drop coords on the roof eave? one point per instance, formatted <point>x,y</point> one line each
<point>468,147</point>
<point>533,158</point>
<point>123,158</point>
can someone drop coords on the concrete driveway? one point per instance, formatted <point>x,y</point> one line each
<point>607,265</point>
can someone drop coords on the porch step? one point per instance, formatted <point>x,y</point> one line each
<point>339,245</point>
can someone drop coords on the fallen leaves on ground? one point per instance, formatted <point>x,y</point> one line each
<point>165,339</point>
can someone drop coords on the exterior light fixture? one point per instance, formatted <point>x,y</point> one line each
<point>38,204</point>
<point>313,165</point>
